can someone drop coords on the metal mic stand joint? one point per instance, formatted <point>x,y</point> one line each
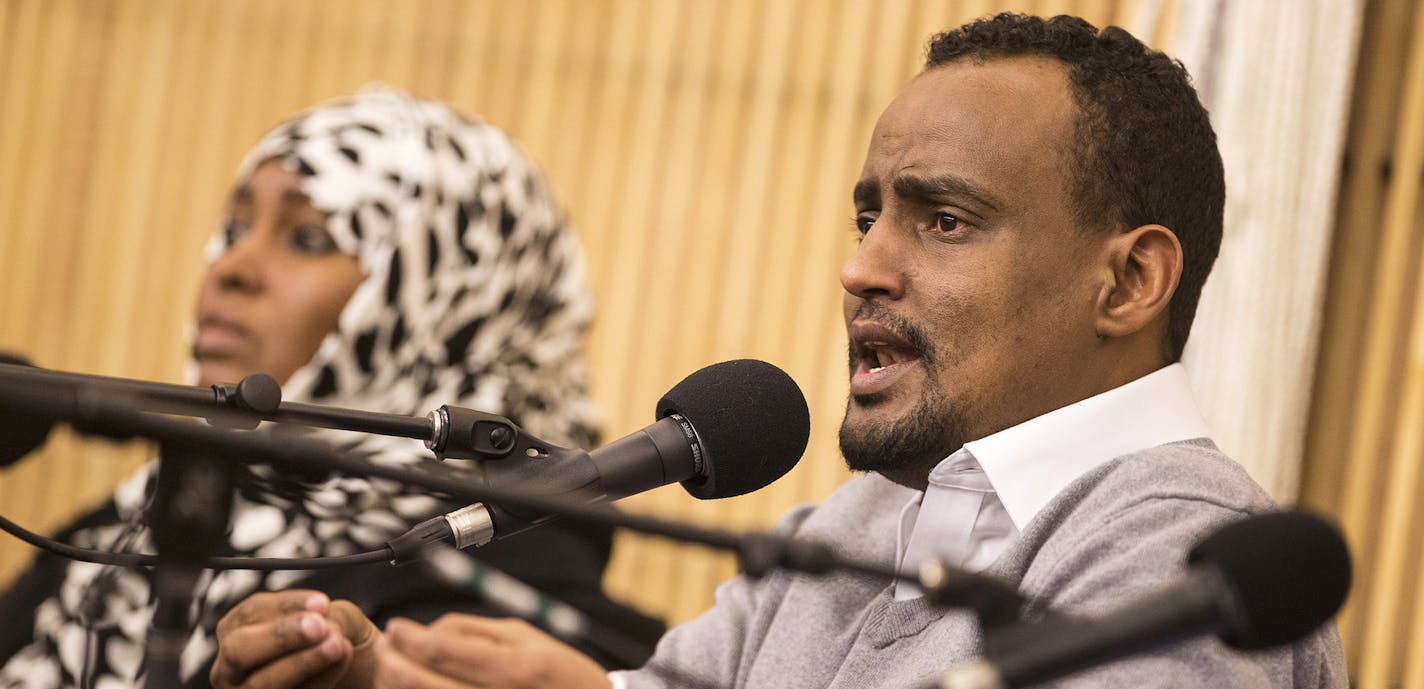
<point>188,518</point>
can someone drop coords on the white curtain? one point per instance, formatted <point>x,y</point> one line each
<point>1276,78</point>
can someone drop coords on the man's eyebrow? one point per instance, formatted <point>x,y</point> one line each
<point>866,193</point>
<point>941,186</point>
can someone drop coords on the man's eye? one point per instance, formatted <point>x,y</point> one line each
<point>863,222</point>
<point>313,239</point>
<point>946,223</point>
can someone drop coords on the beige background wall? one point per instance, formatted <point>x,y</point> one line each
<point>705,151</point>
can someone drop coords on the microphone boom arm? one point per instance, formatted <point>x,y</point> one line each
<point>256,398</point>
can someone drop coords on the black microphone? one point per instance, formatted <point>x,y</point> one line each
<point>1260,582</point>
<point>20,434</point>
<point>725,430</point>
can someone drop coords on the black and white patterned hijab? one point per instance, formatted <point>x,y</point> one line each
<point>474,295</point>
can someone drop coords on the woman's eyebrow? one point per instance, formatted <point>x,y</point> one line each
<point>295,197</point>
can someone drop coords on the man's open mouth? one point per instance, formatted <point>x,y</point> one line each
<point>882,356</point>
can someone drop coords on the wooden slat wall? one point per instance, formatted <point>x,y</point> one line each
<point>1366,444</point>
<point>705,150</point>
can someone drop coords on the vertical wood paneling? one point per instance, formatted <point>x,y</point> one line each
<point>798,219</point>
<point>687,282</point>
<point>44,100</point>
<point>22,30</point>
<point>1354,253</point>
<point>1384,449</point>
<point>633,234</point>
<point>1364,454</point>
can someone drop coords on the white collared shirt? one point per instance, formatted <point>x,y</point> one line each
<point>1025,466</point>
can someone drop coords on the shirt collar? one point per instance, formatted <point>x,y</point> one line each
<point>1030,463</point>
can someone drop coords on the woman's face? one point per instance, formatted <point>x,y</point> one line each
<point>269,299</point>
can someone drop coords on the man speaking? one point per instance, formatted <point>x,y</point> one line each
<point>1038,211</point>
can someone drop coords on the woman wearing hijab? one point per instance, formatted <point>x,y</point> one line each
<point>379,253</point>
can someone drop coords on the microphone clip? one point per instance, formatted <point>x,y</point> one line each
<point>490,439</point>
<point>256,397</point>
<point>460,433</point>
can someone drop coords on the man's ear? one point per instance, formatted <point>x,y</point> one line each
<point>1143,267</point>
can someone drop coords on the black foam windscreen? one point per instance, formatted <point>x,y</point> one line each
<point>752,421</point>
<point>20,434</point>
<point>1289,571</point>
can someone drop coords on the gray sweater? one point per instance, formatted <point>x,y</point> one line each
<point>1118,531</point>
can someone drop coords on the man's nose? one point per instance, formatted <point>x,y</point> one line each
<point>877,268</point>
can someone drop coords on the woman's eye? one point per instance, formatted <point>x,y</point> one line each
<point>233,230</point>
<point>946,223</point>
<point>313,239</point>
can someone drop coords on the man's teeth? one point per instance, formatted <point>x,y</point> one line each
<point>883,358</point>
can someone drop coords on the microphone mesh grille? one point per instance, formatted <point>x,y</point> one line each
<point>1290,572</point>
<point>752,420</point>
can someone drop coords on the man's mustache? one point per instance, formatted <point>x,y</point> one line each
<point>875,311</point>
<point>914,335</point>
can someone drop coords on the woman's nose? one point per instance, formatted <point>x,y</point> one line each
<point>242,267</point>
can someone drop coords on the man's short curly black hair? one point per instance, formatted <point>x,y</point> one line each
<point>1144,150</point>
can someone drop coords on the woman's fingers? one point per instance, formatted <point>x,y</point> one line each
<point>286,639</point>
<point>266,606</point>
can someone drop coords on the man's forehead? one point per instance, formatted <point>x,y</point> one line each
<point>996,113</point>
<point>1011,88</point>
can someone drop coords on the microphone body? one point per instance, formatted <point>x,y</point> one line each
<point>667,451</point>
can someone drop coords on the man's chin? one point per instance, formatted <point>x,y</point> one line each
<point>902,444</point>
<point>871,411</point>
<point>874,444</point>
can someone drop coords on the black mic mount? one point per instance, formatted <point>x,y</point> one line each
<point>460,433</point>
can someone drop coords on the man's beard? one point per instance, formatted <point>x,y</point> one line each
<point>906,448</point>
